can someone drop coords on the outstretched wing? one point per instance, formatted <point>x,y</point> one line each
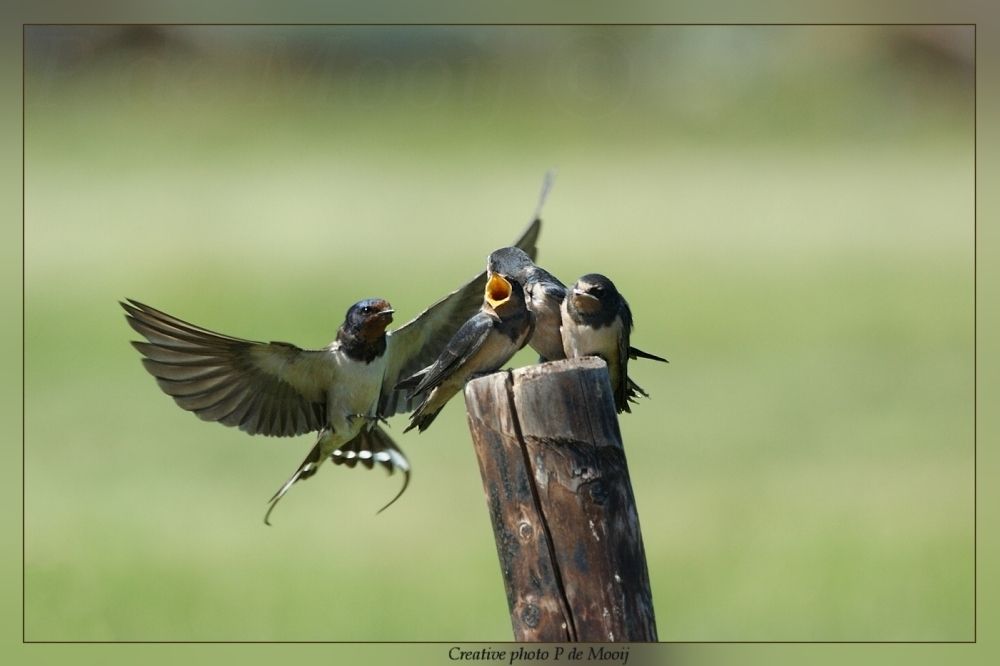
<point>420,341</point>
<point>273,389</point>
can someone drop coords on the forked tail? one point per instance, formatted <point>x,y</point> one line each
<point>305,470</point>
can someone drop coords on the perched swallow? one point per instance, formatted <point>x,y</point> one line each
<point>543,290</point>
<point>544,294</point>
<point>277,389</point>
<point>484,343</point>
<point>597,321</point>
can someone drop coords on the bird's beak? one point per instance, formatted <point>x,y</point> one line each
<point>386,314</point>
<point>498,290</point>
<point>585,302</point>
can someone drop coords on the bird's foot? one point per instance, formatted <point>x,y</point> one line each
<point>371,420</point>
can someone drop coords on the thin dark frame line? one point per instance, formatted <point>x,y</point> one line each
<point>24,346</point>
<point>975,338</point>
<point>479,642</point>
<point>975,343</point>
<point>490,25</point>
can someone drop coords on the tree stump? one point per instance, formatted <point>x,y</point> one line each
<point>561,503</point>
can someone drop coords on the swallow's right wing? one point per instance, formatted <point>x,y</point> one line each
<point>271,388</point>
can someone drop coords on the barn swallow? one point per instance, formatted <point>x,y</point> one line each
<point>597,321</point>
<point>545,296</point>
<point>484,343</point>
<point>543,290</point>
<point>277,389</point>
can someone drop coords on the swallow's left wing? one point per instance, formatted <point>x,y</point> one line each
<point>420,341</point>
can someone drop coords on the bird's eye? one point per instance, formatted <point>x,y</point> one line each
<point>366,310</point>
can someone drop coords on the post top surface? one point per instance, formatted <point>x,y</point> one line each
<point>550,368</point>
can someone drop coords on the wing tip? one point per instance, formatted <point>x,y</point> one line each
<point>548,180</point>
<point>635,352</point>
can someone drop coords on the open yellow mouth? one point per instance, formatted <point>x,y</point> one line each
<point>497,291</point>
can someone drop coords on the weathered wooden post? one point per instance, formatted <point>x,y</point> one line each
<point>561,503</point>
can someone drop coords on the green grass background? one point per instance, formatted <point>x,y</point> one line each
<point>788,211</point>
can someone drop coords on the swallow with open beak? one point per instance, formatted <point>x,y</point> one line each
<point>544,292</point>
<point>545,298</point>
<point>484,343</point>
<point>544,295</point>
<point>597,321</point>
<point>277,389</point>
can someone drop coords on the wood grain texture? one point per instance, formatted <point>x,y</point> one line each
<point>561,503</point>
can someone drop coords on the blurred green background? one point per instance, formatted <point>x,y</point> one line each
<point>789,211</point>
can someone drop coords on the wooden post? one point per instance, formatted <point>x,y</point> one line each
<point>561,503</point>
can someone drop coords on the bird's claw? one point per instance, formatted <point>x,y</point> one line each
<point>371,420</point>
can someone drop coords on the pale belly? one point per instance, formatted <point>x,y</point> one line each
<point>355,392</point>
<point>586,341</point>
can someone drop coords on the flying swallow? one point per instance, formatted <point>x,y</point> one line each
<point>485,342</point>
<point>597,321</point>
<point>278,389</point>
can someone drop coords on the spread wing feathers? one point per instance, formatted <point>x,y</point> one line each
<point>419,342</point>
<point>375,446</point>
<point>460,349</point>
<point>273,389</point>
<point>547,181</point>
<point>527,241</point>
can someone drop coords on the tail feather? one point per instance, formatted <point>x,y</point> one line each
<point>374,446</point>
<point>632,394</point>
<point>308,467</point>
<point>423,416</point>
<point>371,446</point>
<point>634,391</point>
<point>413,380</point>
<point>634,352</point>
